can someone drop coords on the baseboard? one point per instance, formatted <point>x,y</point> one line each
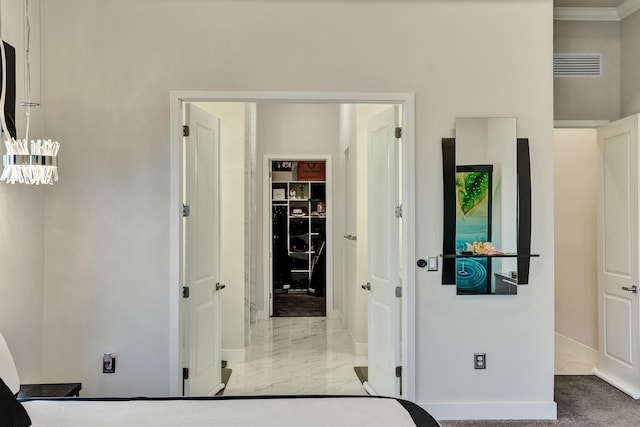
<point>492,411</point>
<point>632,391</point>
<point>577,348</point>
<point>233,355</point>
<point>361,348</point>
<point>262,315</point>
<point>334,314</point>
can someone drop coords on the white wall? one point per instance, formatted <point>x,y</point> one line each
<point>232,243</point>
<point>106,269</point>
<point>575,184</point>
<point>589,98</point>
<point>22,217</point>
<point>630,64</point>
<point>302,129</point>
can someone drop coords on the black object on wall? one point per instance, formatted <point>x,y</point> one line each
<point>8,75</point>
<point>449,218</point>
<point>524,210</point>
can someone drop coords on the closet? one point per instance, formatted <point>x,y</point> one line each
<point>298,214</point>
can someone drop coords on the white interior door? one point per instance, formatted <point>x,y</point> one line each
<point>383,254</point>
<point>618,256</point>
<point>202,253</point>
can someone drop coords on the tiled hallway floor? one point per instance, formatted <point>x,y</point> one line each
<point>297,355</point>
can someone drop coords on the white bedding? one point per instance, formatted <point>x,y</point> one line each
<point>280,412</point>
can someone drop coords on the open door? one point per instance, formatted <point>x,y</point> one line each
<point>383,194</point>
<point>201,254</point>
<point>618,317</point>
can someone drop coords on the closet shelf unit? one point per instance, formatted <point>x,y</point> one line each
<point>299,234</point>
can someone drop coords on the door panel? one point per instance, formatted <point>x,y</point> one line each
<point>618,256</point>
<point>202,253</point>
<point>383,254</point>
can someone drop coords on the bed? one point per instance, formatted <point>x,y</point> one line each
<point>263,411</point>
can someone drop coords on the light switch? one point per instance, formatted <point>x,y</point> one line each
<point>432,263</point>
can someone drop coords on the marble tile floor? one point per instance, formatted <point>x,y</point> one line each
<point>297,355</point>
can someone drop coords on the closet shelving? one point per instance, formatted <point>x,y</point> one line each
<point>301,205</point>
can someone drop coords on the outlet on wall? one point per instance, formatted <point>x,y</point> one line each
<point>479,360</point>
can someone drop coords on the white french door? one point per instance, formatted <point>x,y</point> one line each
<point>383,254</point>
<point>618,269</point>
<point>202,334</point>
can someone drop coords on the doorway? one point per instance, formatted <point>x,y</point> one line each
<point>299,228</point>
<point>408,243</point>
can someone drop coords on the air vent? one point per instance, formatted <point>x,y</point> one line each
<point>577,65</point>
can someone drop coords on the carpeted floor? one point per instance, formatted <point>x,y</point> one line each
<point>298,304</point>
<point>583,401</point>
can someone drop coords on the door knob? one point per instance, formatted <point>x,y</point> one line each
<point>367,287</point>
<point>219,286</point>
<point>633,289</point>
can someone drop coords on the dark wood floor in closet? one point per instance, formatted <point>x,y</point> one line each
<point>298,305</point>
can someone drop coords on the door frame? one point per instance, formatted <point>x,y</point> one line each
<point>408,317</point>
<point>267,233</point>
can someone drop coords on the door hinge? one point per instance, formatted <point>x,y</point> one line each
<point>398,371</point>
<point>399,211</point>
<point>398,292</point>
<point>185,373</point>
<point>185,292</point>
<point>398,132</point>
<point>186,210</point>
<point>185,130</point>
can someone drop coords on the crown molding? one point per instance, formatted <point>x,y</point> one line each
<point>585,14</point>
<point>628,7</point>
<point>596,13</point>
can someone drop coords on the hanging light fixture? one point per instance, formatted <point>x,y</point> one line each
<point>21,165</point>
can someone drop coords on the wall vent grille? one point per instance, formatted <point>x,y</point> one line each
<point>577,65</point>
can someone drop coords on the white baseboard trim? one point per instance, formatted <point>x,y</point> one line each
<point>262,315</point>
<point>577,348</point>
<point>632,391</point>
<point>334,314</point>
<point>233,354</point>
<point>492,411</point>
<point>362,348</point>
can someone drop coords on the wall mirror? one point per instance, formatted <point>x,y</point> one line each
<point>487,207</point>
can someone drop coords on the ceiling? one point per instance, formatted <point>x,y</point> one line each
<point>587,3</point>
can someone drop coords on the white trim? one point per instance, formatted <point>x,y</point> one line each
<point>176,98</point>
<point>628,7</point>
<point>596,13</point>
<point>234,354</point>
<point>361,348</point>
<point>262,315</point>
<point>492,411</point>
<point>585,14</point>
<point>632,391</point>
<point>266,231</point>
<point>577,348</point>
<point>579,124</point>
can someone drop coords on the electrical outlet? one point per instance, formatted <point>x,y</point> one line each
<point>108,363</point>
<point>479,361</point>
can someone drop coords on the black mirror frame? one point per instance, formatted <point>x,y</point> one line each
<point>449,211</point>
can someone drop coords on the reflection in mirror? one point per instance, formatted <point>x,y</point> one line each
<point>486,204</point>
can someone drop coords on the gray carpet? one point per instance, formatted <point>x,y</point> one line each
<point>583,401</point>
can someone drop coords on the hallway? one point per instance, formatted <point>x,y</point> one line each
<point>297,355</point>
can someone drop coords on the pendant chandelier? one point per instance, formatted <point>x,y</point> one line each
<point>37,164</point>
